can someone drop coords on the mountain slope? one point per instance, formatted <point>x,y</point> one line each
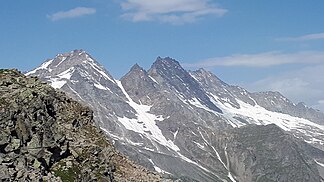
<point>278,103</point>
<point>168,119</point>
<point>259,153</point>
<point>248,108</point>
<point>47,136</point>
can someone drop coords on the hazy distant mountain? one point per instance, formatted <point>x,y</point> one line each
<point>192,125</point>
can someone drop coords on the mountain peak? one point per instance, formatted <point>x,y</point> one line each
<point>63,66</point>
<point>169,71</point>
<point>136,67</point>
<point>166,62</point>
<point>66,60</point>
<point>203,72</point>
<point>78,51</point>
<point>206,76</point>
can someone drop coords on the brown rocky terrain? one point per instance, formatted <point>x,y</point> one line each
<point>45,135</point>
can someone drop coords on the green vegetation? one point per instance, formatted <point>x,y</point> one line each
<point>2,71</point>
<point>6,71</point>
<point>67,174</point>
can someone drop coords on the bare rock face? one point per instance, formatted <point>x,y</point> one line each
<point>44,135</point>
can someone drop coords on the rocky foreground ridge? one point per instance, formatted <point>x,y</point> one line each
<point>44,135</point>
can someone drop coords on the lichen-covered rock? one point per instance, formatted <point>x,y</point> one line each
<point>45,135</point>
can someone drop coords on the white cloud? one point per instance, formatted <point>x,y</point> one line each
<point>169,11</point>
<point>307,37</point>
<point>266,59</point>
<point>72,13</point>
<point>301,85</point>
<point>319,105</point>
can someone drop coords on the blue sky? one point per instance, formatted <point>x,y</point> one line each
<point>260,45</point>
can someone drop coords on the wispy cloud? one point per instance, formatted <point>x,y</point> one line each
<point>301,85</point>
<point>266,59</point>
<point>307,37</point>
<point>72,13</point>
<point>169,11</point>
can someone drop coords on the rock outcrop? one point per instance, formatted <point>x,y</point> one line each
<point>44,135</point>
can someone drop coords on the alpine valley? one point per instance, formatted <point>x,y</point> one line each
<point>190,125</point>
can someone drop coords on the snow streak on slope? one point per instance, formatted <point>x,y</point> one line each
<point>43,66</point>
<point>319,163</point>
<point>229,175</point>
<point>228,165</point>
<point>195,102</point>
<point>157,169</point>
<point>67,73</point>
<point>61,78</point>
<point>92,63</point>
<point>145,122</point>
<point>56,83</point>
<point>99,86</point>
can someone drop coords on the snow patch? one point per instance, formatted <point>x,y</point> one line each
<point>175,134</point>
<point>63,59</point>
<point>67,73</point>
<point>202,147</point>
<point>195,102</point>
<point>61,78</point>
<point>258,113</point>
<point>153,80</point>
<point>321,164</point>
<point>157,169</point>
<point>261,116</point>
<point>192,162</point>
<point>76,93</point>
<point>115,137</point>
<point>228,165</point>
<point>99,86</point>
<point>98,69</point>
<point>145,123</point>
<point>42,67</point>
<point>152,150</point>
<point>56,83</point>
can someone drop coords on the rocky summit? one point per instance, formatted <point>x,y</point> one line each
<point>190,125</point>
<point>46,136</point>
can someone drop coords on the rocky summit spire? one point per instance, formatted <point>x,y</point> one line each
<point>136,67</point>
<point>170,72</point>
<point>166,63</point>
